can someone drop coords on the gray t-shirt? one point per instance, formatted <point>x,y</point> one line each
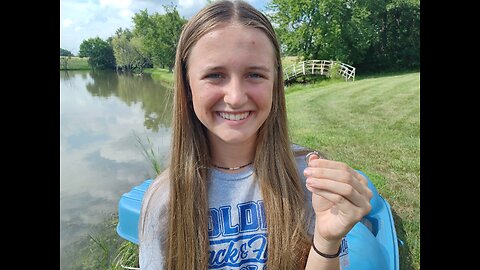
<point>237,226</point>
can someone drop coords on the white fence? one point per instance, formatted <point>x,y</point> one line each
<point>317,67</point>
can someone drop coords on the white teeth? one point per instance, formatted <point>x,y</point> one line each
<point>234,116</point>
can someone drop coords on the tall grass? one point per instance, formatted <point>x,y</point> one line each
<point>127,253</point>
<point>103,248</point>
<point>148,153</point>
<point>127,256</point>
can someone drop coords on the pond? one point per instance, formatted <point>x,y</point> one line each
<point>105,118</point>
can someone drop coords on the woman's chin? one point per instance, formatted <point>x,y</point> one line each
<point>235,138</point>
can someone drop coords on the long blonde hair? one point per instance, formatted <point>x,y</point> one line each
<point>275,168</point>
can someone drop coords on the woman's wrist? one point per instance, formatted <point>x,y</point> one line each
<point>323,254</point>
<point>325,248</point>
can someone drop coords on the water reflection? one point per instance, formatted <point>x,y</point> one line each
<point>101,113</point>
<point>132,89</point>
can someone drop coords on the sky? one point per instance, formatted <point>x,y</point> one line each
<point>83,19</point>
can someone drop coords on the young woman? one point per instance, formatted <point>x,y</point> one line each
<point>235,196</point>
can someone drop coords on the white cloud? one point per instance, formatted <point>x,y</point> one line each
<point>83,19</point>
<point>125,13</point>
<point>120,4</point>
<point>187,8</point>
<point>186,4</point>
<point>66,23</point>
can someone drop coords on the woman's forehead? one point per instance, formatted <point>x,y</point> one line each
<point>234,42</point>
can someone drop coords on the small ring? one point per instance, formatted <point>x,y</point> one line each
<point>311,153</point>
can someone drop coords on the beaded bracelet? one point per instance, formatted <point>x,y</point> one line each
<point>327,255</point>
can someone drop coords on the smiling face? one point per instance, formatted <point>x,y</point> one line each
<point>231,73</point>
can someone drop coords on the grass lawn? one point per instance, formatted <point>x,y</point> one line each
<point>372,124</point>
<point>76,63</point>
<point>160,74</point>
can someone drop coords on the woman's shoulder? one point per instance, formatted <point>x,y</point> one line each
<point>153,223</point>
<point>157,193</point>
<point>155,201</point>
<point>160,181</point>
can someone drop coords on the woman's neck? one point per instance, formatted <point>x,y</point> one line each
<point>229,155</point>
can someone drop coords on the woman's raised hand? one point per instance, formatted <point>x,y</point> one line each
<point>340,197</point>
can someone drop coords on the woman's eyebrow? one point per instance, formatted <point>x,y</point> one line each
<point>211,68</point>
<point>260,67</point>
<point>253,67</point>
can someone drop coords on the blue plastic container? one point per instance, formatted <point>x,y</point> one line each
<point>129,212</point>
<point>372,243</point>
<point>375,247</point>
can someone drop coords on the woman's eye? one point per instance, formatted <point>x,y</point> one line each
<point>214,76</point>
<point>255,75</point>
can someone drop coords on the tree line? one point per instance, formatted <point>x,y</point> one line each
<point>151,42</point>
<point>372,35</point>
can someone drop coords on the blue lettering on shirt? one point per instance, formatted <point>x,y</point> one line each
<point>343,247</point>
<point>242,244</point>
<point>251,217</point>
<point>213,226</point>
<point>228,229</point>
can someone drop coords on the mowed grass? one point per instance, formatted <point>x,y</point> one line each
<point>76,63</point>
<point>161,74</point>
<point>372,124</point>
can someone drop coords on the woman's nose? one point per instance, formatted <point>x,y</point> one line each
<point>235,93</point>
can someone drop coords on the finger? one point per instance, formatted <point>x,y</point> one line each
<point>364,182</point>
<point>340,175</point>
<point>343,204</point>
<point>344,190</point>
<point>332,164</point>
<point>311,156</point>
<point>321,202</point>
<point>360,177</point>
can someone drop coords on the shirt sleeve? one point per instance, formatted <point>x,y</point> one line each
<point>153,226</point>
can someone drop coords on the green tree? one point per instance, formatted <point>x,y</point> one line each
<point>373,33</point>
<point>99,53</point>
<point>328,29</point>
<point>159,34</point>
<point>397,44</point>
<point>128,51</point>
<point>64,52</point>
